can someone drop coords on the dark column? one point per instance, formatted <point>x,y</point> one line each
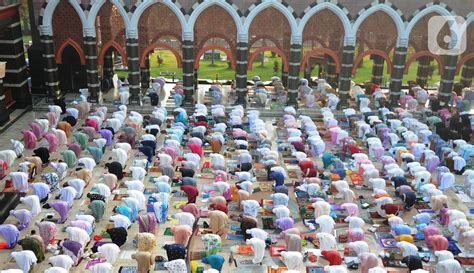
<point>50,68</point>
<point>423,72</point>
<point>4,114</point>
<point>241,73</point>
<point>331,74</point>
<point>188,72</point>
<point>377,69</point>
<point>145,73</point>
<point>467,73</point>
<point>346,75</point>
<point>397,74</point>
<point>12,52</point>
<point>447,79</point>
<point>294,72</point>
<point>108,64</point>
<point>133,69</point>
<point>90,49</point>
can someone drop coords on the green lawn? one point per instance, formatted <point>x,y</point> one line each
<point>221,70</point>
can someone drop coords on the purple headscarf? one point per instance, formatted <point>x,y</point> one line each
<point>62,208</point>
<point>10,234</point>
<point>76,148</point>
<point>23,216</point>
<point>107,134</point>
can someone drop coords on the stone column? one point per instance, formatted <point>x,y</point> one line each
<point>108,64</point>
<point>241,73</point>
<point>188,69</point>
<point>447,79</point>
<point>145,73</point>
<point>422,74</point>
<point>377,69</point>
<point>50,67</point>
<point>90,50</point>
<point>331,74</point>
<point>294,71</point>
<point>12,52</point>
<point>133,66</point>
<point>397,74</point>
<point>346,74</point>
<point>467,73</point>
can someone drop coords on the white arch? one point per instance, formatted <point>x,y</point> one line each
<point>46,27</point>
<point>119,5</point>
<point>397,19</point>
<point>278,6</point>
<point>434,8</point>
<point>96,6</point>
<point>208,3</point>
<point>326,5</point>
<point>147,3</point>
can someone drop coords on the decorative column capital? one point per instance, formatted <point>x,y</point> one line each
<point>45,30</point>
<point>242,38</point>
<point>132,33</point>
<point>349,41</point>
<point>402,42</point>
<point>89,32</point>
<point>188,36</point>
<point>296,39</point>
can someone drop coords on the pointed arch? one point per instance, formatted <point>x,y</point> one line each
<point>462,61</point>
<point>420,54</point>
<point>330,6</point>
<point>280,53</point>
<point>380,53</point>
<point>434,8</point>
<point>116,46</point>
<point>397,19</point>
<point>322,51</point>
<point>206,4</point>
<point>229,54</point>
<point>69,42</point>
<point>278,6</point>
<point>147,3</point>
<point>153,46</point>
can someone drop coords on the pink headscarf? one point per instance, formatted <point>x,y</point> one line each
<point>52,142</point>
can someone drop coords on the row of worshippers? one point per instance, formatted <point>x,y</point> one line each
<point>81,228</point>
<point>406,154</point>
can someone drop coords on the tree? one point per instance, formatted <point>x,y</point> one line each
<point>25,18</point>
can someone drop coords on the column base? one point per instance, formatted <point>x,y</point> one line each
<point>241,99</point>
<point>4,118</point>
<point>292,99</point>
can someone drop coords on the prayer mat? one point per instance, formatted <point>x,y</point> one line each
<point>168,232</point>
<point>465,260</point>
<point>268,222</point>
<point>356,179</point>
<point>315,269</point>
<point>119,197</point>
<point>9,200</point>
<point>151,178</point>
<point>388,243</point>
<point>302,194</point>
<point>245,249</point>
<point>245,263</point>
<point>148,191</point>
<point>176,184</point>
<point>430,211</point>
<point>160,266</point>
<point>275,250</point>
<point>179,194</point>
<point>392,263</point>
<point>128,269</point>
<point>235,227</point>
<point>207,176</point>
<point>235,237</point>
<point>91,263</point>
<point>291,161</point>
<point>374,214</point>
<point>419,206</point>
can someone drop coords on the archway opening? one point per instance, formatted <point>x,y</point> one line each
<point>372,68</point>
<point>424,69</point>
<point>72,74</point>
<point>266,63</point>
<point>215,60</point>
<point>321,64</point>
